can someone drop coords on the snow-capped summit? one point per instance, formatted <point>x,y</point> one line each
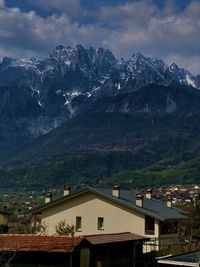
<point>91,72</point>
<point>72,68</point>
<point>23,62</point>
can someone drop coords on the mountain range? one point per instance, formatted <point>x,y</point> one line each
<point>81,103</point>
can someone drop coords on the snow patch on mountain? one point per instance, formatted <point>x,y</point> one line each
<point>190,81</point>
<point>68,63</point>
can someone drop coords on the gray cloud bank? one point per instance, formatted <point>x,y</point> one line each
<point>136,26</point>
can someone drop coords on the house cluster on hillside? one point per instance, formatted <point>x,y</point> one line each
<point>178,193</point>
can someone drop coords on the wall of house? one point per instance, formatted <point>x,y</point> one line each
<point>89,207</point>
<point>3,219</point>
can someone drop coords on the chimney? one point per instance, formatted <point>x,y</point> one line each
<point>169,202</point>
<point>116,190</point>
<point>139,200</point>
<point>149,193</point>
<point>48,197</point>
<point>67,190</point>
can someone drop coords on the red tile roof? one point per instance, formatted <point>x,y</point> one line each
<point>41,243</point>
<point>59,244</point>
<point>113,238</point>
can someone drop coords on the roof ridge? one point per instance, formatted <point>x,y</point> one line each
<point>40,236</point>
<point>108,234</point>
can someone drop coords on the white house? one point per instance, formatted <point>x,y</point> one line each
<point>104,211</point>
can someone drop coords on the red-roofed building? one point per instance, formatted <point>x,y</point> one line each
<point>41,243</point>
<point>122,249</point>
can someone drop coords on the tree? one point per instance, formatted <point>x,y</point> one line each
<point>62,228</point>
<point>3,228</point>
<point>188,226</point>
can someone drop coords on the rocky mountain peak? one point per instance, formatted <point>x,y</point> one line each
<point>59,47</point>
<point>75,80</point>
<point>173,67</point>
<point>7,60</point>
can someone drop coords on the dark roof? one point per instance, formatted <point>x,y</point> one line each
<point>188,259</point>
<point>151,207</point>
<point>41,243</point>
<point>114,238</point>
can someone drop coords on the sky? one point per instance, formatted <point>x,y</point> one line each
<point>165,29</point>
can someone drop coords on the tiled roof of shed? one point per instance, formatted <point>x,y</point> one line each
<point>113,238</point>
<point>42,243</point>
<point>59,244</point>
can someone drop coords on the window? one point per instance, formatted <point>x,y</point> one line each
<point>100,223</point>
<point>167,228</point>
<point>149,225</point>
<point>78,224</point>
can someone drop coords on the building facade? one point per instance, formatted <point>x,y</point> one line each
<point>104,211</point>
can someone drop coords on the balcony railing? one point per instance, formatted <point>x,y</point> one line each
<point>149,232</point>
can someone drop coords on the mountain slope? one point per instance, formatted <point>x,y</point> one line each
<point>83,115</point>
<point>182,168</point>
<point>110,143</point>
<point>143,122</point>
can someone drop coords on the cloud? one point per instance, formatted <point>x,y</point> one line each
<point>27,33</point>
<point>162,32</point>
<point>165,32</point>
<point>70,7</point>
<point>135,14</point>
<point>2,3</point>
